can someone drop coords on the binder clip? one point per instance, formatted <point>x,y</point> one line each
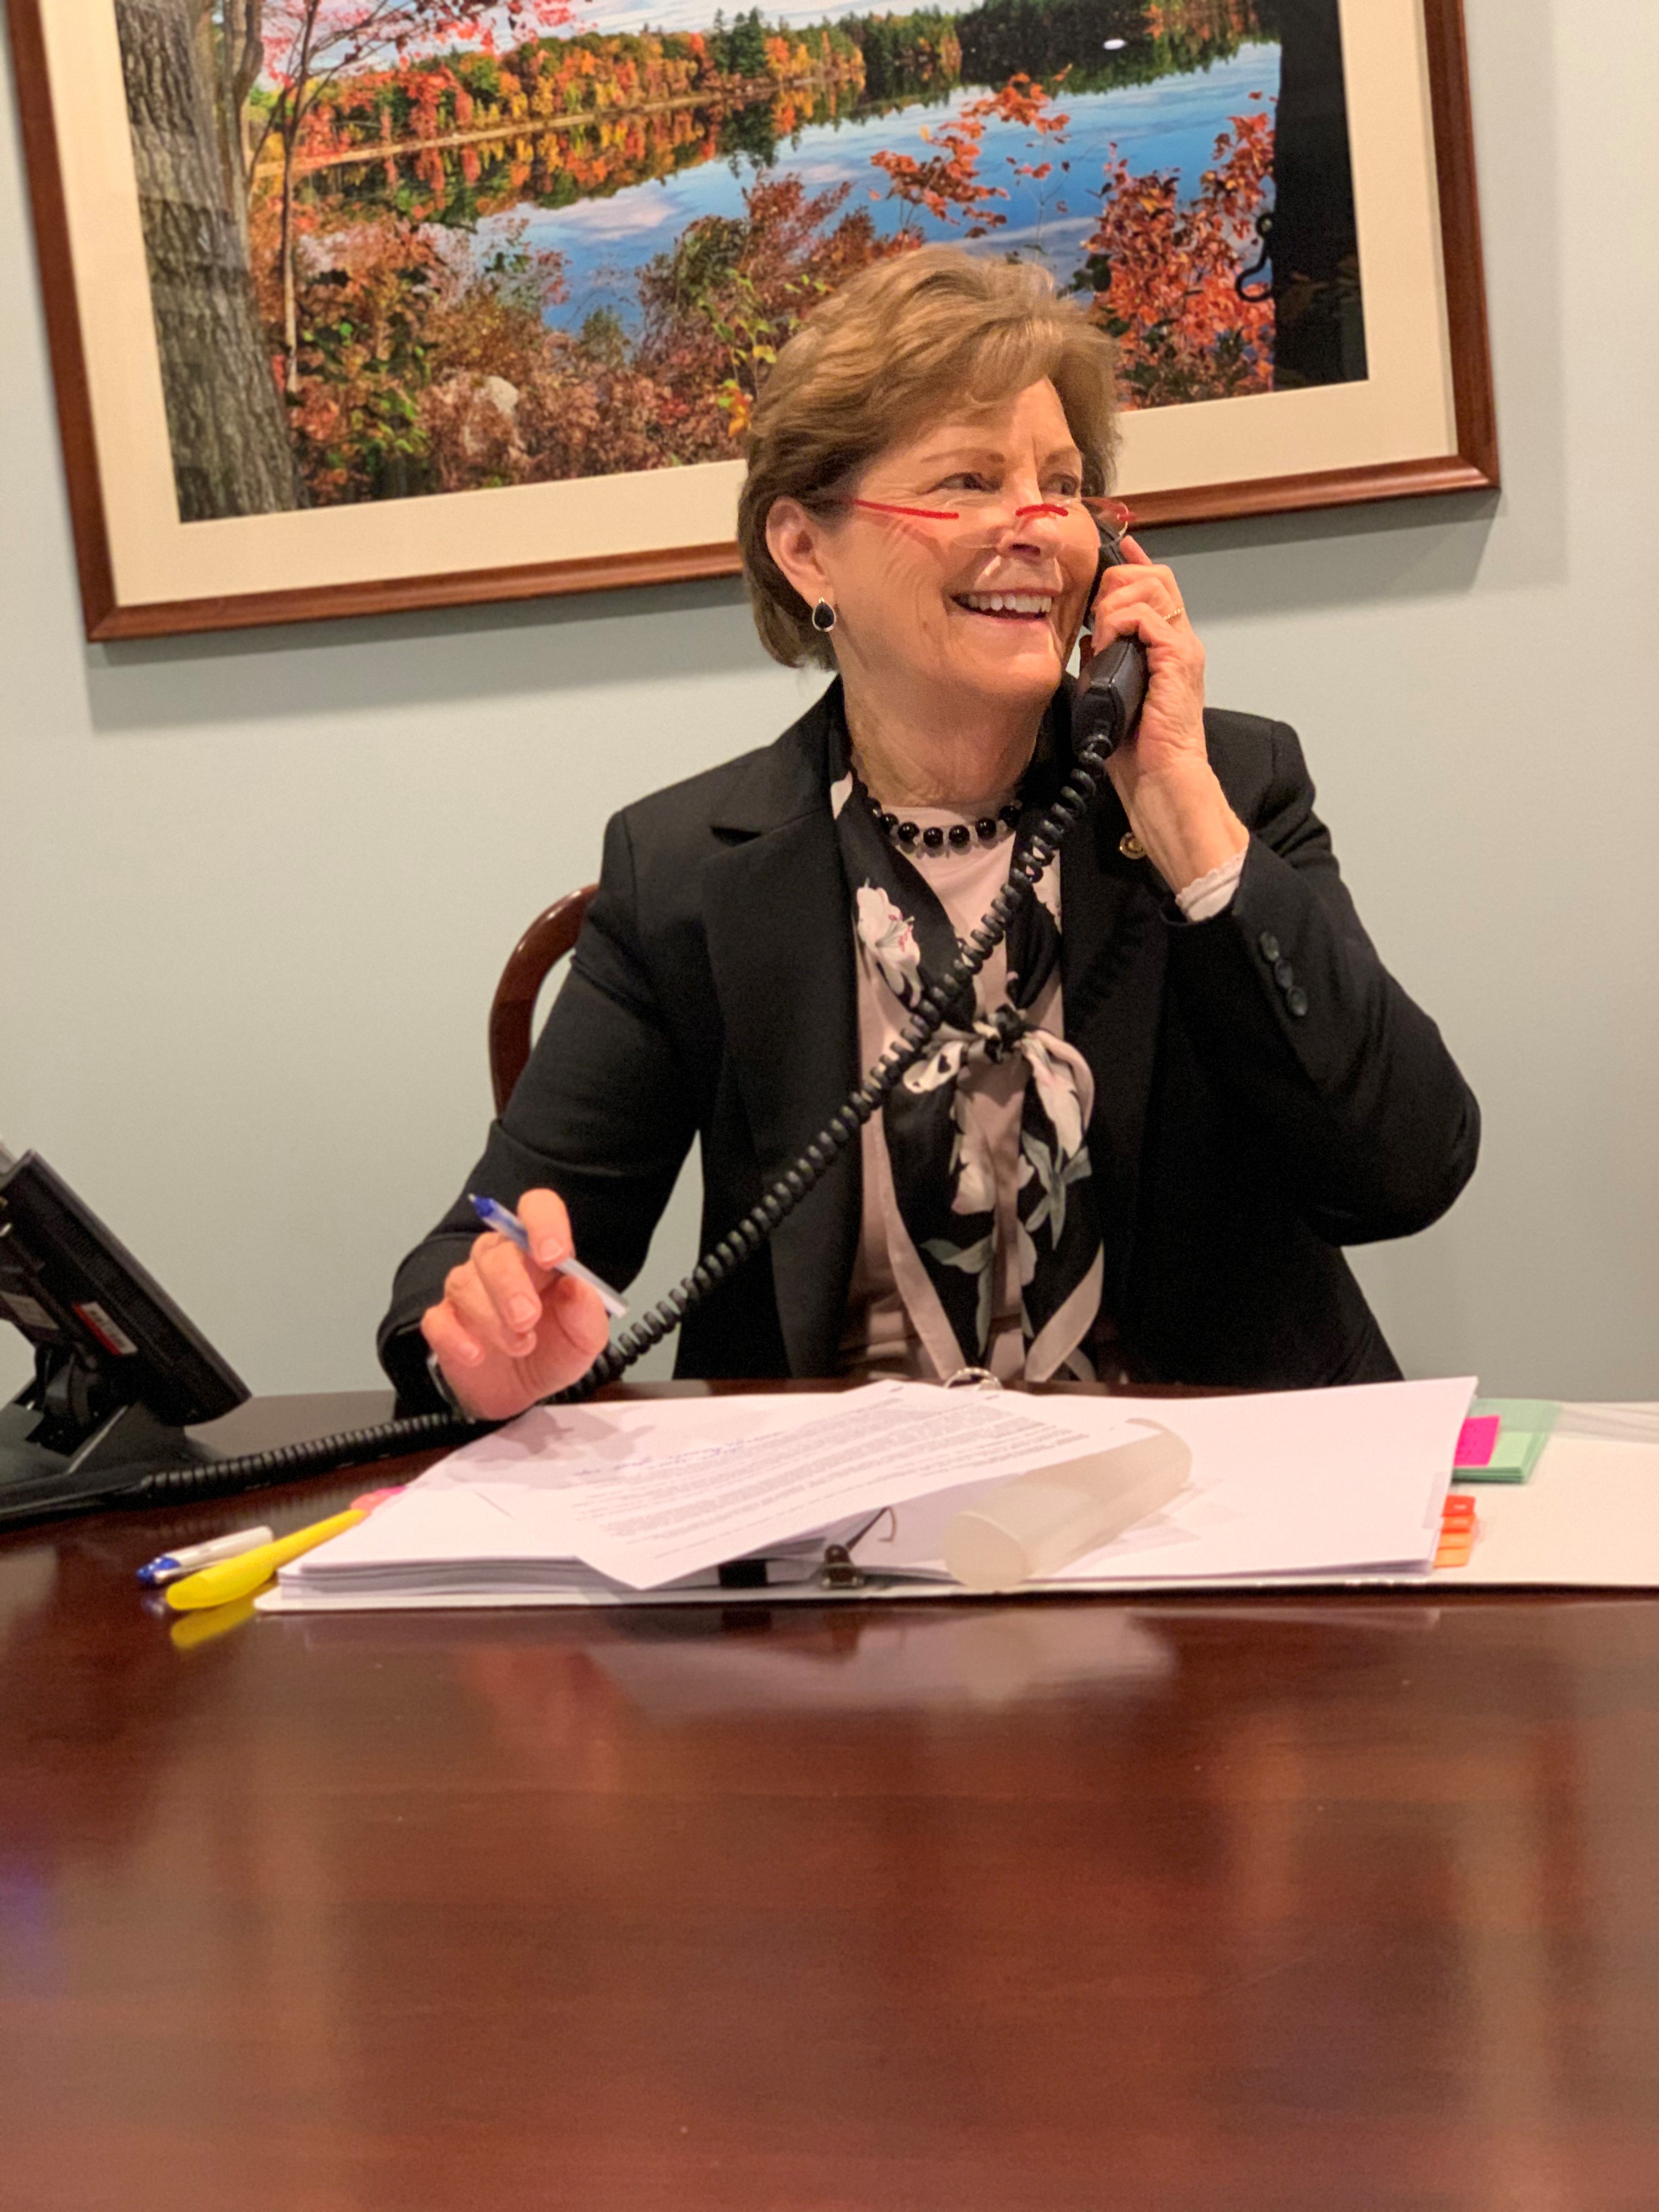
<point>839,1570</point>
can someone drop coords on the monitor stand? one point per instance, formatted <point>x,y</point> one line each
<point>39,1478</point>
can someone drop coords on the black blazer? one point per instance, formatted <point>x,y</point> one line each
<point>1265,1091</point>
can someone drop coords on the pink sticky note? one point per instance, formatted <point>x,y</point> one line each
<point>1479,1439</point>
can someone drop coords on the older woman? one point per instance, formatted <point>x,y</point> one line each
<point>1187,1081</point>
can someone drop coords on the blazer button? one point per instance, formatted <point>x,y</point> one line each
<point>1268,945</point>
<point>1297,999</point>
<point>1284,974</point>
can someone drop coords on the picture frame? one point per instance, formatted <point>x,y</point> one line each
<point>1419,419</point>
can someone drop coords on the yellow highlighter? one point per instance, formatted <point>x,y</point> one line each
<point>242,1576</point>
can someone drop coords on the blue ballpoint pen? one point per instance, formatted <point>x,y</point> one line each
<point>172,1565</point>
<point>507,1224</point>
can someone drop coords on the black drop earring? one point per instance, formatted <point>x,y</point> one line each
<point>823,618</point>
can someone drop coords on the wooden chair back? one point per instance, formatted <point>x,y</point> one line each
<point>513,1010</point>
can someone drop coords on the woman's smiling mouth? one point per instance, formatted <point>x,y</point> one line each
<point>1018,606</point>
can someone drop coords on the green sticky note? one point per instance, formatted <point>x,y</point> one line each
<point>1524,1429</point>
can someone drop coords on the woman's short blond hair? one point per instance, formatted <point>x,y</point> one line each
<point>899,344</point>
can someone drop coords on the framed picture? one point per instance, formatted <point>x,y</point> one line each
<point>359,305</point>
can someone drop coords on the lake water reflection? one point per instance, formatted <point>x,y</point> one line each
<point>608,233</point>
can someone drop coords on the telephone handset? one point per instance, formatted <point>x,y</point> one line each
<point>1112,689</point>
<point>1104,708</point>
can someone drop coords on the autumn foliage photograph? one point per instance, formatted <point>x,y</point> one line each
<point>401,248</point>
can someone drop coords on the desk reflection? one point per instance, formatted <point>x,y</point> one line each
<point>929,1903</point>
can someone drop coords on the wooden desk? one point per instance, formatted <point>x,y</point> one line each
<point>1072,1905</point>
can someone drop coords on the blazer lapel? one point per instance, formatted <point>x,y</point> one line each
<point>1113,954</point>
<point>780,948</point>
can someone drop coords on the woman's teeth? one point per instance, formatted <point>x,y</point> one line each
<point>1006,603</point>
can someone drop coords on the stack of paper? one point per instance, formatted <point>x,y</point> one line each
<point>1295,1483</point>
<point>602,1504</point>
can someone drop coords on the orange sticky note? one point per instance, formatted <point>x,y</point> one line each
<point>1458,1528</point>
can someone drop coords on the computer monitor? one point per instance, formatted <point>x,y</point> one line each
<point>119,1372</point>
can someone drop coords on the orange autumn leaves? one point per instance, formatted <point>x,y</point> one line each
<point>402,105</point>
<point>422,369</point>
<point>946,183</point>
<point>1166,276</point>
<point>1186,327</point>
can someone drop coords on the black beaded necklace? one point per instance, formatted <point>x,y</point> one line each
<point>910,837</point>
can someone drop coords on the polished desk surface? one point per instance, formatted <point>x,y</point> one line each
<point>1330,1903</point>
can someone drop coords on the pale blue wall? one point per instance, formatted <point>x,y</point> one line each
<point>254,893</point>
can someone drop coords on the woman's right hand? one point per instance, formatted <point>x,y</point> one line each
<point>508,1331</point>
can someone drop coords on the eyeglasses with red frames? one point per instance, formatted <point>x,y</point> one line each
<point>1109,514</point>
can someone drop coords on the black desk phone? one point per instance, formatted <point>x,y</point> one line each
<point>58,1465</point>
<point>119,1372</point>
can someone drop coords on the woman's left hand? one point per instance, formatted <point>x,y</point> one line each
<point>1175,806</point>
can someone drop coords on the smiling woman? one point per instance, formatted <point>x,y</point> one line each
<point>856,394</point>
<point>1182,1082</point>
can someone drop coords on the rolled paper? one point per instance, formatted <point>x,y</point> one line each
<point>1042,1521</point>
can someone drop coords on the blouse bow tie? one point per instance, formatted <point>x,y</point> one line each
<point>944,1181</point>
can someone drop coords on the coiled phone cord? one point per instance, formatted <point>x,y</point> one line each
<point>422,1431</point>
<point>1104,710</point>
<point>798,1180</point>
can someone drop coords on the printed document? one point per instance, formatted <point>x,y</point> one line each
<point>612,1500</point>
<point>1283,1482</point>
<point>650,1493</point>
